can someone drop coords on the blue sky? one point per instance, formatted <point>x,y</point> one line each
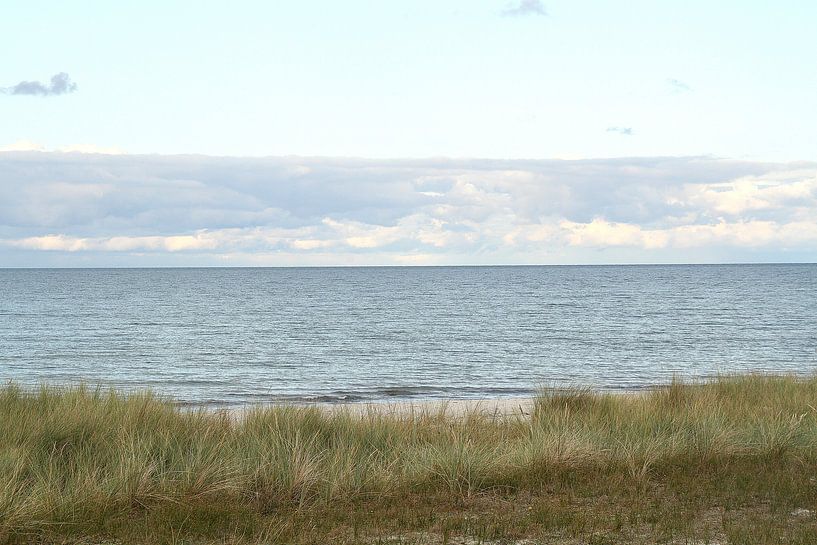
<point>417,79</point>
<point>729,82</point>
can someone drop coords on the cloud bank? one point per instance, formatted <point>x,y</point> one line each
<point>74,209</point>
<point>61,84</point>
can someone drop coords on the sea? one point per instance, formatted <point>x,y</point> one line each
<point>229,337</point>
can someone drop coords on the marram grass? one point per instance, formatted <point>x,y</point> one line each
<point>728,461</point>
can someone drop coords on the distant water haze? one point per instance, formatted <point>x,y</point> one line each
<point>230,337</point>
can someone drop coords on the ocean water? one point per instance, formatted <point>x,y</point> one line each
<point>227,337</point>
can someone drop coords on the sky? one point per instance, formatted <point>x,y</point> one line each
<point>344,133</point>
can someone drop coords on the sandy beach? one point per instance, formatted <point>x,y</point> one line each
<point>457,408</point>
<point>494,407</point>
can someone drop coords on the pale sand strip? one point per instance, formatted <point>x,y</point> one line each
<point>501,407</point>
<point>457,408</point>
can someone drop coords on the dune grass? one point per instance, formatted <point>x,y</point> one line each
<point>728,461</point>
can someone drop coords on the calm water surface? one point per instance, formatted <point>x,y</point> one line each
<point>236,336</point>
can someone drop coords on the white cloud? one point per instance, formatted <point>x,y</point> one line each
<point>740,234</point>
<point>91,148</point>
<point>678,86</point>
<point>310,244</point>
<point>174,243</point>
<point>61,243</point>
<point>780,190</point>
<point>361,235</point>
<point>600,233</point>
<point>60,84</point>
<point>624,131</point>
<point>28,145</point>
<point>23,145</point>
<point>522,8</point>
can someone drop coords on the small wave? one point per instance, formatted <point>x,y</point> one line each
<point>318,398</point>
<point>385,394</point>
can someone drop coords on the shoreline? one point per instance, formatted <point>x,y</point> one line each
<point>455,406</point>
<point>491,407</point>
<point>495,408</point>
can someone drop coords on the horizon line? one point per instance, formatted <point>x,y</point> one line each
<point>463,266</point>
